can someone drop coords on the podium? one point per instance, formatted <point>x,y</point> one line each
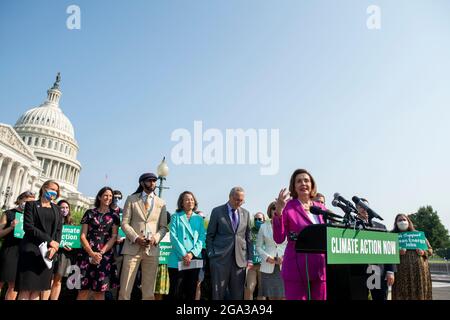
<point>348,253</point>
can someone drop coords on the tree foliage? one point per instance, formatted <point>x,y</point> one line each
<point>428,221</point>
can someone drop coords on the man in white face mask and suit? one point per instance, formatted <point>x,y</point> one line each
<point>145,224</point>
<point>386,270</point>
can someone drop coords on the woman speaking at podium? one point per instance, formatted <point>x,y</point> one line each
<point>304,274</point>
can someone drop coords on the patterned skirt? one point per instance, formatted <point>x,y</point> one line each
<point>412,279</point>
<point>162,283</point>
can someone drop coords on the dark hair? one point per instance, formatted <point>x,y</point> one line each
<point>410,226</point>
<point>46,185</point>
<point>140,189</point>
<point>117,193</point>
<point>294,194</point>
<point>181,198</point>
<point>67,219</point>
<point>271,206</point>
<point>24,195</point>
<point>101,193</point>
<point>169,217</point>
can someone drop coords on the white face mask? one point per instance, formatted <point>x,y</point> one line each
<point>403,225</point>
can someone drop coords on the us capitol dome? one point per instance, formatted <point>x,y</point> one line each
<point>41,146</point>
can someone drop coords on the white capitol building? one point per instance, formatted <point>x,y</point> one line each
<point>41,146</point>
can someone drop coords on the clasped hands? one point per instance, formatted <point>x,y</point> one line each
<point>277,260</point>
<point>144,242</point>
<point>54,246</point>
<point>420,252</point>
<point>187,259</point>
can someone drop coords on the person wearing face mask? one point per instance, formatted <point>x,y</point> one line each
<point>386,270</point>
<point>42,224</point>
<point>9,252</point>
<point>65,257</point>
<point>413,278</point>
<point>203,283</point>
<point>304,274</point>
<point>271,259</point>
<point>145,225</point>
<point>118,258</point>
<point>253,277</point>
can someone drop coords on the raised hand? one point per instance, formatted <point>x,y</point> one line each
<point>281,201</point>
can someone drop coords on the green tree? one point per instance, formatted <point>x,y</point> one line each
<point>77,215</point>
<point>428,221</point>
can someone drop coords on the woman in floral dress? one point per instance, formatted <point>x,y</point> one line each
<point>98,236</point>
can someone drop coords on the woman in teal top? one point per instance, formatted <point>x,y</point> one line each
<point>187,236</point>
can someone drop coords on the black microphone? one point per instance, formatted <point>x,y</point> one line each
<point>340,198</point>
<point>344,207</point>
<point>326,213</point>
<point>362,204</point>
<point>348,219</point>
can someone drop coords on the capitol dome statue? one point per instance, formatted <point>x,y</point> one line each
<point>47,138</point>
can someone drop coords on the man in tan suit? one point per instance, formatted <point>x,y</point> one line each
<point>145,224</point>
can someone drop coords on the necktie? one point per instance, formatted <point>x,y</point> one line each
<point>234,218</point>
<point>147,203</point>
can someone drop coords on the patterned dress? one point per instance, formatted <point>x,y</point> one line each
<point>102,277</point>
<point>413,278</point>
<point>162,283</point>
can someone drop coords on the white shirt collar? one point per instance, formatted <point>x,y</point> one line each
<point>144,195</point>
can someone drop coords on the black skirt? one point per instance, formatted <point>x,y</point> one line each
<point>9,257</point>
<point>32,273</point>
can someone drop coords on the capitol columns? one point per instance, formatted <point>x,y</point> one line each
<point>15,188</point>
<point>49,168</point>
<point>66,169</point>
<point>24,182</point>
<point>33,184</point>
<point>6,179</point>
<point>2,158</point>
<point>1,161</point>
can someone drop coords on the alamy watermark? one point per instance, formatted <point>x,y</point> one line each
<point>73,21</point>
<point>229,147</point>
<point>374,20</point>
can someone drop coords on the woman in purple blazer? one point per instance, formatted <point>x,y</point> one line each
<point>292,216</point>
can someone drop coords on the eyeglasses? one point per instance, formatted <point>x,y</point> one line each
<point>258,219</point>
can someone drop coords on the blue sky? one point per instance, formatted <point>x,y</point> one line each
<point>366,111</point>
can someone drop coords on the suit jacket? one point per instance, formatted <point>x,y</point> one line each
<point>185,236</point>
<point>384,268</point>
<point>36,231</point>
<point>223,244</point>
<point>133,222</point>
<point>295,219</point>
<point>267,247</point>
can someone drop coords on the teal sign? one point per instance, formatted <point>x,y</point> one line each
<point>70,234</point>
<point>412,240</point>
<point>121,233</point>
<point>349,246</point>
<point>18,229</point>
<point>71,237</point>
<point>164,251</point>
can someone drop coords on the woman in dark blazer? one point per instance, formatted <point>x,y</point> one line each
<point>42,223</point>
